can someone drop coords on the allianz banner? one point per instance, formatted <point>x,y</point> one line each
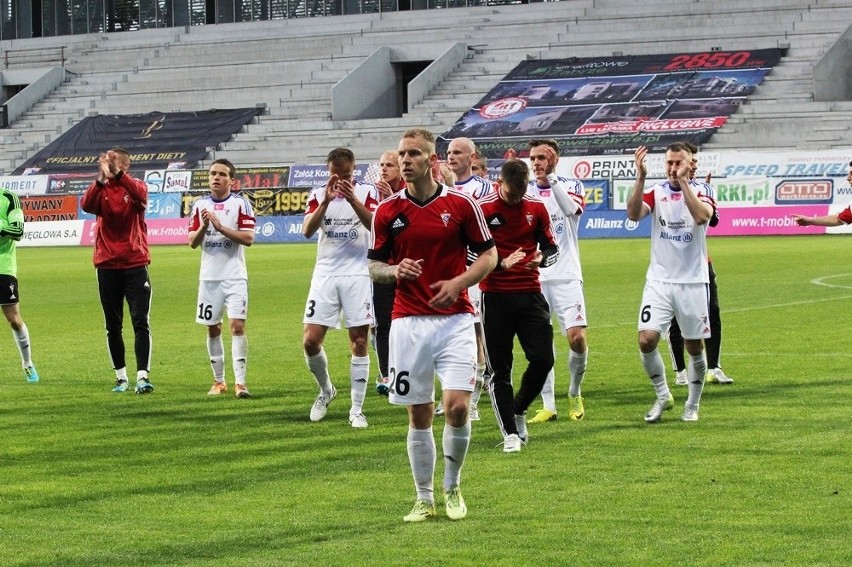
<point>156,140</point>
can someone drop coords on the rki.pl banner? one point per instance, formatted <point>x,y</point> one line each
<point>611,105</point>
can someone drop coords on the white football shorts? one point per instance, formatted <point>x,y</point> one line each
<point>214,297</point>
<point>688,303</point>
<point>422,347</point>
<point>566,302</point>
<point>330,296</point>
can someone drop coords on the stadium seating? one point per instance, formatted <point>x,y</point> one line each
<point>290,66</point>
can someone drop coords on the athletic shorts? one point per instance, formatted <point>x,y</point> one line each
<point>422,347</point>
<point>331,296</point>
<point>475,296</point>
<point>688,303</point>
<point>566,302</point>
<point>8,290</point>
<point>215,296</point>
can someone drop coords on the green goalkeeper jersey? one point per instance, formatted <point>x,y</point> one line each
<point>11,231</point>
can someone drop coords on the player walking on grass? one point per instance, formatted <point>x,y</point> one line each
<point>677,279</point>
<point>427,229</point>
<point>390,182</point>
<point>562,283</point>
<point>121,258</point>
<point>461,154</point>
<point>512,302</point>
<point>342,212</point>
<point>713,343</point>
<point>222,223</point>
<point>11,231</point>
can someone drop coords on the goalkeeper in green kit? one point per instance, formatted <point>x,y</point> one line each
<point>11,231</point>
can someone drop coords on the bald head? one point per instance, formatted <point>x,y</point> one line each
<point>460,155</point>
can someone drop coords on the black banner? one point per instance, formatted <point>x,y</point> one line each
<point>156,140</point>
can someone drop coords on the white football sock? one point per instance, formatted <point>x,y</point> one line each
<point>422,456</point>
<point>653,364</point>
<point>577,371</point>
<point>456,440</point>
<point>696,368</point>
<point>548,395</point>
<point>318,365</point>
<point>22,339</point>
<point>359,373</point>
<point>239,357</point>
<point>216,352</point>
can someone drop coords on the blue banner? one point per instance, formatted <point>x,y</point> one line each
<point>613,224</point>
<point>597,194</point>
<point>280,229</point>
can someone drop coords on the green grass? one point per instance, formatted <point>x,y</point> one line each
<point>180,478</point>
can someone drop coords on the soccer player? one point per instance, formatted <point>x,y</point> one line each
<point>512,302</point>
<point>121,258</point>
<point>11,231</point>
<point>426,229</point>
<point>479,167</point>
<point>562,283</point>
<point>222,223</point>
<point>390,182</point>
<point>712,344</point>
<point>838,219</point>
<point>677,278</point>
<point>342,212</point>
<point>461,153</point>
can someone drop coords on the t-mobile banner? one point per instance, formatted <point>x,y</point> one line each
<point>160,231</point>
<point>765,221</point>
<point>53,233</point>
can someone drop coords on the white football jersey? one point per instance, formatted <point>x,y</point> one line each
<point>343,240</point>
<point>678,245</point>
<point>566,229</point>
<point>477,187</point>
<point>222,258</point>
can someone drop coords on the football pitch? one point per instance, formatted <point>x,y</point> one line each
<point>177,477</point>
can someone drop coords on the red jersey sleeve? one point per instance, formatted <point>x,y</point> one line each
<point>845,215</point>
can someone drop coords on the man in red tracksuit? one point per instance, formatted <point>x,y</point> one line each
<point>121,258</point>
<point>512,302</point>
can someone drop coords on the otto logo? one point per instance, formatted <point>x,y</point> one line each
<point>502,107</point>
<point>582,170</point>
<point>804,191</point>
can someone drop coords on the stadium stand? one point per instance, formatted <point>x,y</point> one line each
<point>291,66</point>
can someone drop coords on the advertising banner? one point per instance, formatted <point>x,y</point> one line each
<point>280,229</point>
<point>316,175</point>
<point>160,206</point>
<point>53,233</point>
<point>23,185</point>
<point>155,140</point>
<point>597,194</point>
<point>247,178</point>
<point>58,207</point>
<point>274,202</point>
<point>62,184</point>
<point>764,221</point>
<point>611,105</point>
<point>612,224</point>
